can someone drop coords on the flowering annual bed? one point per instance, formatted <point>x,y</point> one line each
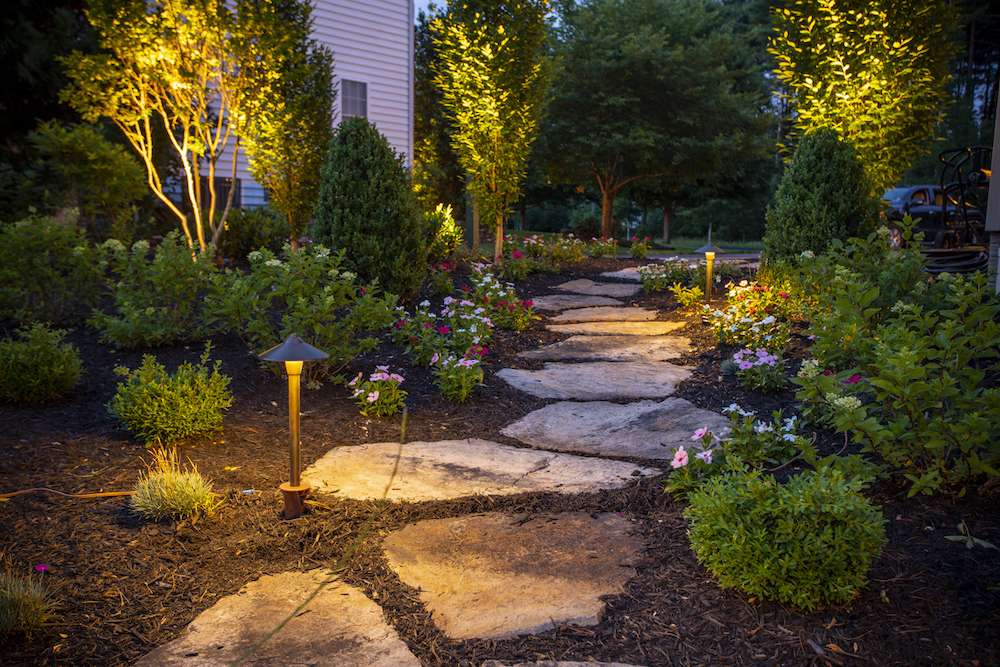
<point>380,395</point>
<point>756,315</point>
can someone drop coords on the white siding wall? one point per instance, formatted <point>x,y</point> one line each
<point>372,41</point>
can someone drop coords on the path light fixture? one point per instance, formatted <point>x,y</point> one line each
<point>294,352</point>
<point>709,249</point>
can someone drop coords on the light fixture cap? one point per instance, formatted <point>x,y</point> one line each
<point>293,349</point>
<point>708,247</point>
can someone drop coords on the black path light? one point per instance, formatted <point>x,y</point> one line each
<point>293,352</point>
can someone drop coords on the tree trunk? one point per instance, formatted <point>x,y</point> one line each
<point>475,227</point>
<point>607,219</point>
<point>498,241</point>
<point>293,235</point>
<point>524,217</point>
<point>666,224</point>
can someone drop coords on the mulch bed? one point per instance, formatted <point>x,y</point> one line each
<point>124,585</point>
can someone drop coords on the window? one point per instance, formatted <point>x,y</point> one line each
<point>354,99</point>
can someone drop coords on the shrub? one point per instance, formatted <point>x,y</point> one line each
<point>379,395</point>
<point>158,407</point>
<point>157,299</point>
<point>25,604</point>
<point>640,247</point>
<point>663,275</point>
<point>439,279</point>
<point>249,229</point>
<point>367,209</point>
<point>444,236</point>
<point>457,378</point>
<point>167,491</point>
<point>602,248</point>
<point>687,297</point>
<point>823,195</point>
<point>306,293</point>
<point>517,266</point>
<point>38,367</point>
<point>809,542</point>
<point>48,271</point>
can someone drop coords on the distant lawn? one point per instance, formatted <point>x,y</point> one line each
<point>679,245</point>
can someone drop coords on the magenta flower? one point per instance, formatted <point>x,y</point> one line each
<point>680,458</point>
<point>41,567</point>
<point>516,254</point>
<point>854,379</point>
<point>444,330</point>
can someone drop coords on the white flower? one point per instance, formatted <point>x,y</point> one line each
<point>806,254</point>
<point>425,304</point>
<point>763,427</point>
<point>788,437</point>
<point>770,319</point>
<point>349,275</point>
<point>273,262</point>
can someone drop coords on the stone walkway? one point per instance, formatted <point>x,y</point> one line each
<point>489,575</point>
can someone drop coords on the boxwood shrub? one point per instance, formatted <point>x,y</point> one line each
<point>809,542</point>
<point>37,366</point>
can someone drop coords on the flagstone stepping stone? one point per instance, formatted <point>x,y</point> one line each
<point>652,328</point>
<point>458,468</point>
<point>587,286</point>
<point>564,301</point>
<point>630,273</point>
<point>339,627</point>
<point>613,348</point>
<point>647,429</point>
<point>499,575</point>
<point>605,314</point>
<point>598,380</point>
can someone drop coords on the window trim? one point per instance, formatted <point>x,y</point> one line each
<point>343,98</point>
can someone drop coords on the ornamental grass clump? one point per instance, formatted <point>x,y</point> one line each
<point>809,542</point>
<point>159,407</point>
<point>380,395</point>
<point>168,491</point>
<point>25,604</point>
<point>37,367</point>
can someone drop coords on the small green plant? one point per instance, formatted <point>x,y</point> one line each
<point>457,378</point>
<point>439,279</point>
<point>158,407</point>
<point>970,541</point>
<point>48,271</point>
<point>809,542</point>
<point>157,299</point>
<point>167,491</point>
<point>693,466</point>
<point>687,297</point>
<point>25,604</point>
<point>444,236</point>
<point>758,442</point>
<point>380,395</point>
<point>640,247</point>
<point>661,276</point>
<point>38,366</point>
<point>602,247</point>
<point>758,369</point>
<point>506,310</point>
<point>517,266</point>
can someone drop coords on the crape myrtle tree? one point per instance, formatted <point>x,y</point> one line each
<point>873,71</point>
<point>492,73</point>
<point>288,121</point>
<point>651,94</point>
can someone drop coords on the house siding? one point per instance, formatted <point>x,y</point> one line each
<point>372,41</point>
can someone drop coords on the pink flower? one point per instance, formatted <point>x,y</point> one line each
<point>527,303</point>
<point>354,381</point>
<point>372,397</point>
<point>400,324</point>
<point>362,291</point>
<point>827,372</point>
<point>705,456</point>
<point>396,377</point>
<point>435,358</point>
<point>680,458</point>
<point>41,567</point>
<point>700,433</point>
<point>517,254</point>
<point>854,379</point>
<point>444,330</point>
<point>745,365</point>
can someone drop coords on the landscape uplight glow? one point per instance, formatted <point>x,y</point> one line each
<point>294,352</point>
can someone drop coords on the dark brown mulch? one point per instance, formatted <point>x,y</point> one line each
<point>124,585</point>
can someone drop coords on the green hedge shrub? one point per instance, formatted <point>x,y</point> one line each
<point>38,367</point>
<point>367,209</point>
<point>249,229</point>
<point>809,542</point>
<point>157,299</point>
<point>158,407</point>
<point>167,491</point>
<point>48,271</point>
<point>823,195</point>
<point>306,293</point>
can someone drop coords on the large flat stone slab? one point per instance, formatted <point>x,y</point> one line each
<point>339,627</point>
<point>647,429</point>
<point>613,348</point>
<point>630,273</point>
<point>566,301</point>
<point>598,380</point>
<point>458,468</point>
<point>653,328</point>
<point>605,314</point>
<point>497,575</point>
<point>587,286</point>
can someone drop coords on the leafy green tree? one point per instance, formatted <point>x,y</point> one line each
<point>492,74</point>
<point>874,71</point>
<point>650,93</point>
<point>287,115</point>
<point>167,64</point>
<point>368,210</point>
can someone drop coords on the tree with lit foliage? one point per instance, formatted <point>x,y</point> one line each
<point>492,72</point>
<point>873,71</point>
<point>167,65</point>
<point>287,119</point>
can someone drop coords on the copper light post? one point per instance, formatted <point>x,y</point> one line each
<point>293,352</point>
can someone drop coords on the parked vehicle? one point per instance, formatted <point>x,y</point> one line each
<point>940,221</point>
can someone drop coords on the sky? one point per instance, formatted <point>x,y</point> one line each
<point>422,4</point>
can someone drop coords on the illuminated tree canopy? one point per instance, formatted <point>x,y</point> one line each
<point>492,75</point>
<point>875,72</point>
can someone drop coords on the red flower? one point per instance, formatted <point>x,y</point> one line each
<point>465,288</point>
<point>527,303</point>
<point>362,291</point>
<point>444,330</point>
<point>428,325</point>
<point>783,294</point>
<point>827,372</point>
<point>854,379</point>
<point>400,324</point>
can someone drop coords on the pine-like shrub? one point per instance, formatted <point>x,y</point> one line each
<point>37,366</point>
<point>158,407</point>
<point>48,271</point>
<point>809,542</point>
<point>168,491</point>
<point>25,604</point>
<point>823,195</point>
<point>367,209</point>
<point>249,229</point>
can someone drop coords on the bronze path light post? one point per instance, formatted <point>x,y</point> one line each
<point>709,249</point>
<point>294,352</point>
